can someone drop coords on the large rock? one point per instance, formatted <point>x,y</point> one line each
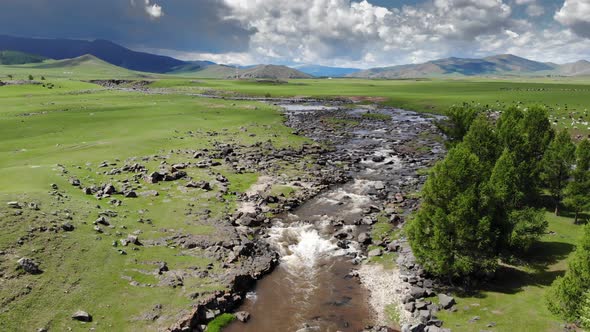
<point>243,316</point>
<point>375,253</point>
<point>417,292</point>
<point>82,316</point>
<point>446,302</point>
<point>14,205</point>
<point>29,265</point>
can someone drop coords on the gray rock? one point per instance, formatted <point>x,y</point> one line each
<point>148,193</point>
<point>417,292</point>
<point>410,306</point>
<point>243,316</point>
<point>474,319</point>
<point>82,316</point>
<point>14,205</point>
<point>446,302</point>
<point>375,253</point>
<point>67,227</point>
<point>133,240</point>
<point>413,328</point>
<point>364,238</point>
<point>29,265</point>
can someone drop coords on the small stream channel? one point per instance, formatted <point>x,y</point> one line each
<point>312,288</point>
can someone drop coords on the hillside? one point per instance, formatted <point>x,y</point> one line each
<point>324,71</point>
<point>212,71</point>
<point>250,72</point>
<point>86,67</point>
<point>579,68</point>
<point>505,64</point>
<point>18,58</point>
<point>273,72</point>
<point>105,50</point>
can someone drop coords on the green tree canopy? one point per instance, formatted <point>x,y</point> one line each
<point>452,234</point>
<point>577,192</point>
<point>557,164</point>
<point>567,293</point>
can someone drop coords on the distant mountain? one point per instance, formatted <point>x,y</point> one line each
<point>191,66</point>
<point>505,64</point>
<point>18,58</point>
<point>87,64</point>
<point>323,71</point>
<point>248,72</point>
<point>579,68</point>
<point>108,51</point>
<point>273,72</point>
<point>212,71</point>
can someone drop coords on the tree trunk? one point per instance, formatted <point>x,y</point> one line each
<point>576,218</point>
<point>557,209</point>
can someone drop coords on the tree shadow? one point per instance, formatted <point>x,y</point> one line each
<point>531,270</point>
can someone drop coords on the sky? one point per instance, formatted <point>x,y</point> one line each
<point>362,34</point>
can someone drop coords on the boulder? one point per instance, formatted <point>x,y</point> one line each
<point>446,302</point>
<point>82,316</point>
<point>378,159</point>
<point>67,227</point>
<point>243,316</point>
<point>364,238</point>
<point>375,252</point>
<point>14,205</point>
<point>417,292</point>
<point>29,265</point>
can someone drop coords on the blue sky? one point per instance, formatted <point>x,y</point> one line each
<point>329,32</point>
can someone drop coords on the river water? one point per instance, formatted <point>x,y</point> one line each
<point>312,289</point>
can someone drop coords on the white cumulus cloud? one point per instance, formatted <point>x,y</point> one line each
<point>575,14</point>
<point>153,10</point>
<point>344,31</point>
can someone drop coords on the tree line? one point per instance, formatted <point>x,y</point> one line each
<point>481,204</point>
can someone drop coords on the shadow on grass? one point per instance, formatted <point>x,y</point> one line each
<point>532,270</point>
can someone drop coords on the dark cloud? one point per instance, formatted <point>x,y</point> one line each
<point>187,25</point>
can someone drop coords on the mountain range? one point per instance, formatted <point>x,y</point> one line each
<point>18,50</point>
<point>497,65</point>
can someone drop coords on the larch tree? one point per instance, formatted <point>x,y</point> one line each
<point>557,164</point>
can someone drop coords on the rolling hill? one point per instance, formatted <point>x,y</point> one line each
<point>18,58</point>
<point>579,68</point>
<point>273,72</point>
<point>250,72</point>
<point>105,50</point>
<point>324,71</point>
<point>86,67</point>
<point>498,65</point>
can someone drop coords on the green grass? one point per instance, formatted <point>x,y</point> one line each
<point>220,322</point>
<point>515,301</point>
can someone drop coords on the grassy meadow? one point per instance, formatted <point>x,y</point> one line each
<point>79,125</point>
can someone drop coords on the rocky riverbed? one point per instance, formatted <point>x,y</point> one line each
<point>321,244</point>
